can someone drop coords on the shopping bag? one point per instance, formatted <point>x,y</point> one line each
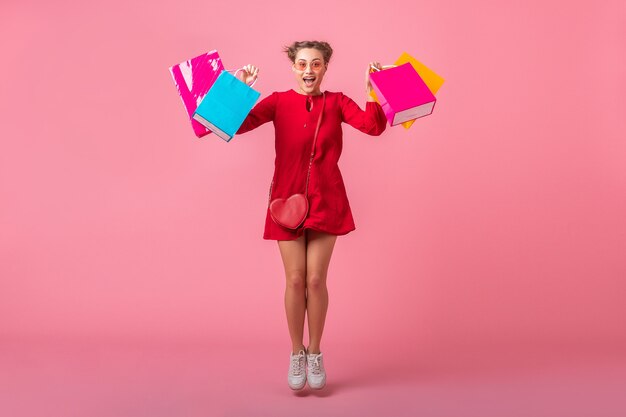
<point>193,79</point>
<point>432,79</point>
<point>226,105</point>
<point>402,94</point>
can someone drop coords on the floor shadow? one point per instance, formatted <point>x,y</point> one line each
<point>328,391</point>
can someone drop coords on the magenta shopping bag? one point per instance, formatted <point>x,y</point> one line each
<point>193,79</point>
<point>402,93</point>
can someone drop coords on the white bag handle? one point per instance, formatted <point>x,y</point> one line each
<point>241,69</point>
<point>384,66</point>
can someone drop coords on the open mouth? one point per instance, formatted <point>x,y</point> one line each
<point>308,81</point>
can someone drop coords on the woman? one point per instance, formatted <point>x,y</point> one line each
<point>306,251</point>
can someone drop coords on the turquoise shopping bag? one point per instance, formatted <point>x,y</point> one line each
<point>226,105</point>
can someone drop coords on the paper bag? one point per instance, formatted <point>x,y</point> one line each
<point>193,79</point>
<point>402,94</point>
<point>226,106</point>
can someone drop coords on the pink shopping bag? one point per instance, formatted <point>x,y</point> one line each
<point>402,94</point>
<point>193,79</point>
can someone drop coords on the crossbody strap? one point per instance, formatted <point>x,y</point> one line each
<point>319,121</point>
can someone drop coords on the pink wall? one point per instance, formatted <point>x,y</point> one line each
<point>509,226</point>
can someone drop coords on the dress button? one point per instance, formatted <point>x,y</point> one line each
<point>305,125</point>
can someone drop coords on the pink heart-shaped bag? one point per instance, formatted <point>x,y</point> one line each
<point>290,212</point>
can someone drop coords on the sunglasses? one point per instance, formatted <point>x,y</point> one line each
<point>315,65</point>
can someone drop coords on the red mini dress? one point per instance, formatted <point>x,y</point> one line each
<point>294,124</point>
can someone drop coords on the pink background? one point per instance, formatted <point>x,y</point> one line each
<point>490,236</point>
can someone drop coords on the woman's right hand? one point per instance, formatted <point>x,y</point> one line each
<point>250,74</point>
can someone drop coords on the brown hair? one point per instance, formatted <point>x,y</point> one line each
<point>323,47</point>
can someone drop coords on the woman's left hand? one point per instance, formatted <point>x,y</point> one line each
<point>368,84</point>
<point>250,74</point>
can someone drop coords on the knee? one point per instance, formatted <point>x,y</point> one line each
<point>296,280</point>
<point>315,281</point>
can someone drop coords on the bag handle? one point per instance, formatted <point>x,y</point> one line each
<point>384,67</point>
<point>241,69</point>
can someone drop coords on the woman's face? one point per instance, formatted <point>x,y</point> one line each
<point>309,68</point>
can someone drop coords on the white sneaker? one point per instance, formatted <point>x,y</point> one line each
<point>316,375</point>
<point>297,370</point>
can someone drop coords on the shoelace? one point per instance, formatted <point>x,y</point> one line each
<point>297,362</point>
<point>314,366</point>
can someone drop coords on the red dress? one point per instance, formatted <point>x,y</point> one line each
<point>329,210</point>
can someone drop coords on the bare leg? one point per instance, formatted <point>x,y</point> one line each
<point>319,249</point>
<point>293,253</point>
